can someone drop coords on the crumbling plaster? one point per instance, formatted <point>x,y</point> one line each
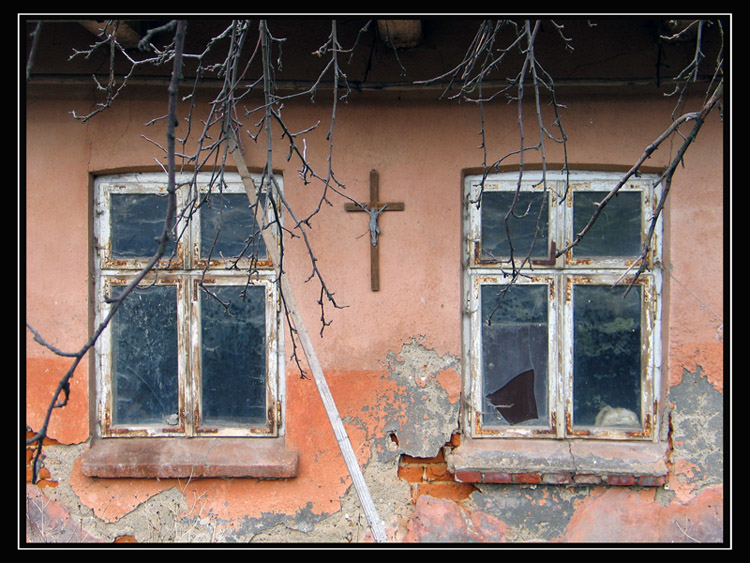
<point>416,416</point>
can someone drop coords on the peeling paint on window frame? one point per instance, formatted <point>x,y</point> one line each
<point>559,275</point>
<point>185,271</point>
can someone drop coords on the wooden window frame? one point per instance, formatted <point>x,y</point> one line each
<point>186,271</point>
<point>559,275</point>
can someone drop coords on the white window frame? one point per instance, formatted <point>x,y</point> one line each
<point>559,276</point>
<point>186,271</point>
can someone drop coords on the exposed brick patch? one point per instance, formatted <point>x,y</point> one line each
<point>438,472</point>
<point>431,476</point>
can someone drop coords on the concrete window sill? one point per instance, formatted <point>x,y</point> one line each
<point>572,462</point>
<point>260,458</point>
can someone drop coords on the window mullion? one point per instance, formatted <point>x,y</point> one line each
<point>190,374</point>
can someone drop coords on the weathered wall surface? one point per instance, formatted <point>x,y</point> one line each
<point>393,357</point>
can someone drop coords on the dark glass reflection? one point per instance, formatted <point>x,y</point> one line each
<point>144,357</point>
<point>607,356</point>
<point>229,228</point>
<point>515,343</point>
<point>522,225</point>
<point>233,355</point>
<point>137,222</point>
<point>616,231</point>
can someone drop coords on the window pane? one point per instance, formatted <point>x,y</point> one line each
<point>137,223</point>
<point>229,220</point>
<point>514,344</point>
<point>144,357</point>
<point>617,230</point>
<point>233,355</point>
<point>522,224</point>
<point>607,356</point>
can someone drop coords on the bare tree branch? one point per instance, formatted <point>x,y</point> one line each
<point>63,386</point>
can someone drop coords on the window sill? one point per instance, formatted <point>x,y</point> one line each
<point>260,458</point>
<point>572,462</point>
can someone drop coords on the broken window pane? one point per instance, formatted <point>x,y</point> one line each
<point>144,357</point>
<point>522,225</point>
<point>617,230</point>
<point>137,222</point>
<point>228,220</point>
<point>514,341</point>
<point>607,356</point>
<point>233,355</point>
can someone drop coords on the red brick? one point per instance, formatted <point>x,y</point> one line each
<point>651,480</point>
<point>497,477</point>
<point>469,476</point>
<point>556,478</point>
<point>411,473</point>
<point>622,480</point>
<point>453,491</point>
<point>532,478</point>
<point>437,459</point>
<point>586,479</point>
<point>437,472</point>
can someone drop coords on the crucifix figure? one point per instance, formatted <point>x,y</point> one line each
<point>374,208</point>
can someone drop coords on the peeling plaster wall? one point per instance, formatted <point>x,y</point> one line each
<point>424,412</point>
<point>392,358</point>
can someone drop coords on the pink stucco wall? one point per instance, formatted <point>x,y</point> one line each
<point>421,148</point>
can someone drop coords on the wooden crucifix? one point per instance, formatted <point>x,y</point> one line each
<point>374,209</point>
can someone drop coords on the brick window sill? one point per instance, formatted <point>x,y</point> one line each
<point>572,462</point>
<point>260,458</point>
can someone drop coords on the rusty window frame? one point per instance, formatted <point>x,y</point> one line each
<point>559,274</point>
<point>186,272</point>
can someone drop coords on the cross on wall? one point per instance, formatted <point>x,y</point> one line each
<point>374,208</point>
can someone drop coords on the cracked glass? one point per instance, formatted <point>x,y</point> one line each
<point>229,228</point>
<point>515,354</point>
<point>233,355</point>
<point>617,229</point>
<point>144,357</point>
<point>530,209</point>
<point>137,222</point>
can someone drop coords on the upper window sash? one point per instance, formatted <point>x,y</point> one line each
<point>533,222</point>
<point>142,198</point>
<point>226,232</point>
<point>548,211</point>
